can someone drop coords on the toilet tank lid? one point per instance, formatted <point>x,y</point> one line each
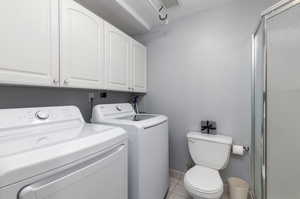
<point>211,138</point>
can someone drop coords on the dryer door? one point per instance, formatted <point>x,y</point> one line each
<point>102,176</point>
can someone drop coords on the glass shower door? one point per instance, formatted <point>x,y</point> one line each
<point>258,90</point>
<point>283,104</point>
<point>276,103</point>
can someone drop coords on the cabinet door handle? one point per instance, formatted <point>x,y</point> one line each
<point>130,88</point>
<point>55,81</point>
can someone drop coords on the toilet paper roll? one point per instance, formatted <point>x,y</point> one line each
<point>238,150</point>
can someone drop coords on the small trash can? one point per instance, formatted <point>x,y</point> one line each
<point>238,188</point>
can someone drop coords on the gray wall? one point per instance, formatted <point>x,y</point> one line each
<point>200,68</point>
<point>19,97</point>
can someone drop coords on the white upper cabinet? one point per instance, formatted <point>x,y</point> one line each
<point>61,43</point>
<point>117,59</point>
<point>29,42</point>
<point>139,65</point>
<point>82,47</point>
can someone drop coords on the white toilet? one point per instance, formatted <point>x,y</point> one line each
<point>210,153</point>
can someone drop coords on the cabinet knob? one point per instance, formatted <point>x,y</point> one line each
<point>66,81</point>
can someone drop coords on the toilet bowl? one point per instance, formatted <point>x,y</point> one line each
<point>202,182</point>
<point>210,154</point>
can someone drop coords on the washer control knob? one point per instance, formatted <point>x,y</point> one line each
<point>42,115</point>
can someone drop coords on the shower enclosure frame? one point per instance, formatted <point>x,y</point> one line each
<point>263,178</point>
<point>274,10</point>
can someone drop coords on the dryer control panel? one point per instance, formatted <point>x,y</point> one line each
<point>21,117</point>
<point>114,110</point>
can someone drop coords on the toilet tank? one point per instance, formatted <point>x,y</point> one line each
<point>212,151</point>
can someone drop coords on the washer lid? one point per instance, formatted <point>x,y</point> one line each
<point>137,117</point>
<point>144,124</point>
<point>123,114</point>
<point>204,180</point>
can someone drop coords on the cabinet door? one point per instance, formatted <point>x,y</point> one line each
<point>139,67</point>
<point>82,45</point>
<point>29,52</point>
<point>117,59</point>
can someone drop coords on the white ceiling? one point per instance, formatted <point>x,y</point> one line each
<point>138,17</point>
<point>116,14</point>
<point>187,7</point>
<point>170,3</point>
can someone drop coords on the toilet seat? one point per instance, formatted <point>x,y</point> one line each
<point>203,182</point>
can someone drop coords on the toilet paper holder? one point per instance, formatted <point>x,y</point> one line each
<point>246,148</point>
<point>240,149</point>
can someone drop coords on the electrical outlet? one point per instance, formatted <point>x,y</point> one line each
<point>103,95</point>
<point>91,96</point>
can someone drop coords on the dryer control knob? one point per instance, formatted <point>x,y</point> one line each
<point>42,115</point>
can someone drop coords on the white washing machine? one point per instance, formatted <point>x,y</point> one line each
<point>51,153</point>
<point>148,148</point>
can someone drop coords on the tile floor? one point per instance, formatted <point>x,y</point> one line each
<point>177,190</point>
